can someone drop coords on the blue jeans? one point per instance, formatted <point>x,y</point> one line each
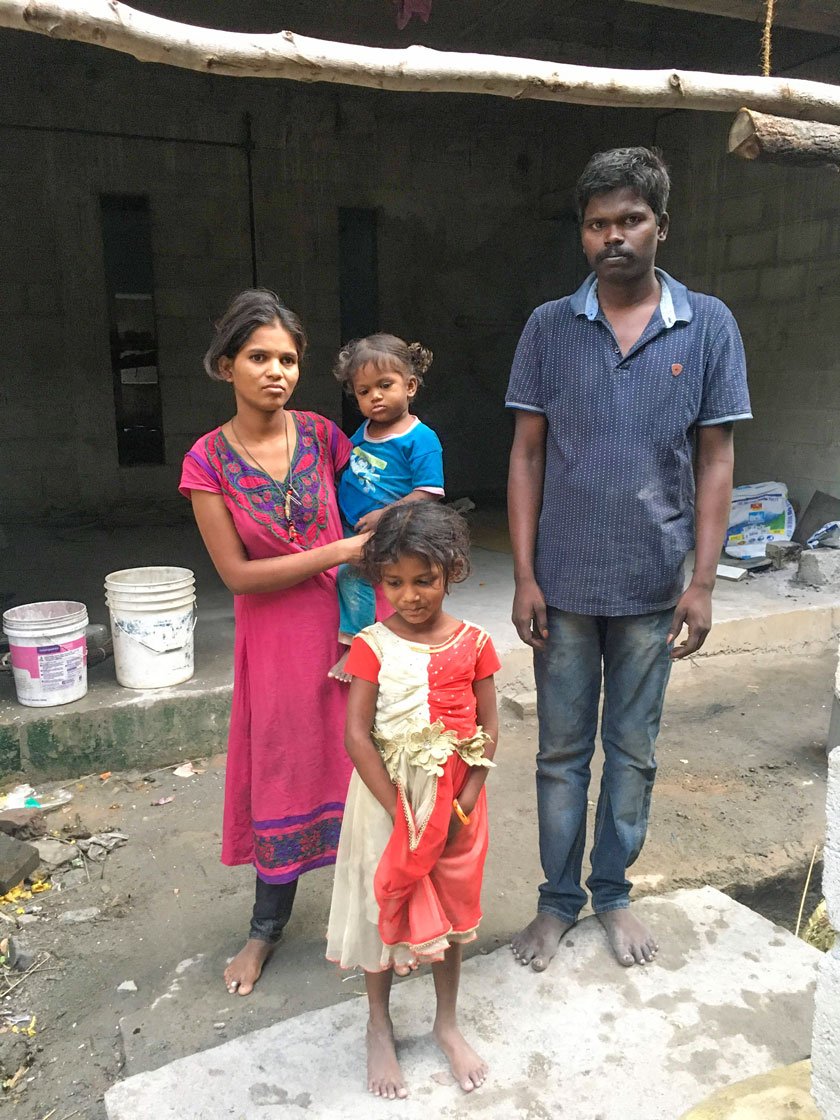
<point>356,601</point>
<point>636,666</point>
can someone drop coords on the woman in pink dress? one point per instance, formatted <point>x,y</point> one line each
<point>262,488</point>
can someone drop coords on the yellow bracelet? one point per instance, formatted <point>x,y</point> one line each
<point>459,812</point>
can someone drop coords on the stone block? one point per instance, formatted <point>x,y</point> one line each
<point>23,824</point>
<point>17,860</point>
<point>53,854</point>
<point>819,567</point>
<point>831,855</point>
<point>521,704</point>
<point>825,1047</point>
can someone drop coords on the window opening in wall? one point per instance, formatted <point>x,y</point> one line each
<point>358,288</point>
<point>127,242</point>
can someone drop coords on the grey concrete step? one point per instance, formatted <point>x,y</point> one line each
<point>731,995</point>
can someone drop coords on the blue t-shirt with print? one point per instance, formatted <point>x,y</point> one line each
<point>382,471</point>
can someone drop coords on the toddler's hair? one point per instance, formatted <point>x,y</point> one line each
<point>425,529</point>
<point>255,307</point>
<point>384,351</point>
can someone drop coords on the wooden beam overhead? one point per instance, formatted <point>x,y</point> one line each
<point>822,16</point>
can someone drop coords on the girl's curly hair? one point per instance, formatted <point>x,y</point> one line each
<point>426,529</point>
<point>385,352</point>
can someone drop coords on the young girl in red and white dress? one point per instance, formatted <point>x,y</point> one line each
<point>421,732</point>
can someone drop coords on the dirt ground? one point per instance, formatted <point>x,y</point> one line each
<point>739,804</point>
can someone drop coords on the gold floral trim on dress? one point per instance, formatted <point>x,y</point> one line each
<point>429,747</point>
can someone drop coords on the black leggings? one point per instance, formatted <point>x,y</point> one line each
<point>272,910</point>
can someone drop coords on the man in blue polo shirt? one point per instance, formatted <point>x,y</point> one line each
<point>625,396</point>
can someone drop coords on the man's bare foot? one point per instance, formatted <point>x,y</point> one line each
<point>538,941</point>
<point>244,970</point>
<point>385,1077</point>
<point>631,940</point>
<point>468,1069</point>
<point>338,672</point>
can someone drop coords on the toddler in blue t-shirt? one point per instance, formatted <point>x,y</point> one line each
<point>396,458</point>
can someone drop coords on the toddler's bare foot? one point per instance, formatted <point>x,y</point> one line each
<point>631,940</point>
<point>385,1077</point>
<point>468,1069</point>
<point>538,942</point>
<point>338,672</point>
<point>244,970</point>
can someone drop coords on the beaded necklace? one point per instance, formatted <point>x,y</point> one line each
<point>285,489</point>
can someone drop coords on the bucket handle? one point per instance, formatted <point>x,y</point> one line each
<point>162,647</point>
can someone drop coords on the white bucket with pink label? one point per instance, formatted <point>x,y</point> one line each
<point>49,652</point>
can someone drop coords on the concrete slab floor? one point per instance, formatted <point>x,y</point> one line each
<point>730,995</point>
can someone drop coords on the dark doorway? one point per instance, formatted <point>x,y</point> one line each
<point>358,288</point>
<point>127,244</point>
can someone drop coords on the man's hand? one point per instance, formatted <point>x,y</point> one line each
<point>529,615</point>
<point>694,610</point>
<point>369,522</point>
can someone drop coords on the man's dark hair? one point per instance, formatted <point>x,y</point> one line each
<point>641,169</point>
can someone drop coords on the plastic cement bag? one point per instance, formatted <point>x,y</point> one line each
<point>760,514</point>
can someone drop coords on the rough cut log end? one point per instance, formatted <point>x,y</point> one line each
<point>756,135</point>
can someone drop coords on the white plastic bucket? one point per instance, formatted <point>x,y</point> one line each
<point>152,622</point>
<point>48,652</point>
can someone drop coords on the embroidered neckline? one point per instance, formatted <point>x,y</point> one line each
<point>459,631</point>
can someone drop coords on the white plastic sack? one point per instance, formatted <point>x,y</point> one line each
<point>760,514</point>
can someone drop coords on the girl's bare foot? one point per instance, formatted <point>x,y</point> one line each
<point>539,940</point>
<point>244,970</point>
<point>385,1077</point>
<point>468,1069</point>
<point>404,969</point>
<point>338,673</point>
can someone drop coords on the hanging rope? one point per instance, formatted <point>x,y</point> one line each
<point>767,39</point>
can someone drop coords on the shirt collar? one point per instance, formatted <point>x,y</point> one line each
<point>673,304</point>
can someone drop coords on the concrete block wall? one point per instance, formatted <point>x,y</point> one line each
<point>766,240</point>
<point>825,1052</point>
<point>473,197</point>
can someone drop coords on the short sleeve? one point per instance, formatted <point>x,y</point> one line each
<point>426,461</point>
<point>486,659</point>
<point>525,390</point>
<point>362,661</point>
<point>197,474</point>
<point>725,393</point>
<point>340,447</point>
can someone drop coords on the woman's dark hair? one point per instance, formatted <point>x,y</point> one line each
<point>641,169</point>
<point>255,307</point>
<point>432,532</point>
<point>384,351</point>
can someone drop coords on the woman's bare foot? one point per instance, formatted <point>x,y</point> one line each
<point>468,1069</point>
<point>385,1077</point>
<point>244,970</point>
<point>538,941</point>
<point>631,940</point>
<point>338,673</point>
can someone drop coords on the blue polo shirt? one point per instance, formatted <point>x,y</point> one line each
<point>617,515</point>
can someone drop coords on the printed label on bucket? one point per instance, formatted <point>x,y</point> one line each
<point>54,668</point>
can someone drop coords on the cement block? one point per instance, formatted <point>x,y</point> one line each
<point>825,1050</point>
<point>831,854</point>
<point>819,567</point>
<point>522,704</point>
<point>730,996</point>
<point>17,860</point>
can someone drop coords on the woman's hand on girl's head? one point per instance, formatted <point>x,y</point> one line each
<point>352,548</point>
